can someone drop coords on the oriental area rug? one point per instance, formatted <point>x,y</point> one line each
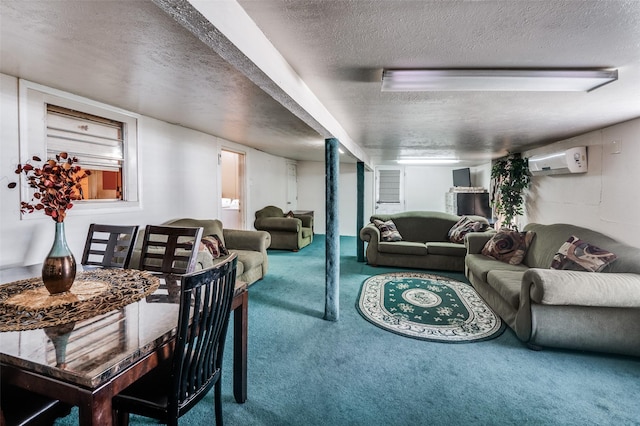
<point>428,307</point>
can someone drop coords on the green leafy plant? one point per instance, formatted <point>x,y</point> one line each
<point>56,184</point>
<point>510,177</point>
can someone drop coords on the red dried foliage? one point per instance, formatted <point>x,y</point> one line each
<point>57,184</point>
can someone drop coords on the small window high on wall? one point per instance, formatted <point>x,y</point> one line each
<point>101,136</point>
<point>97,142</point>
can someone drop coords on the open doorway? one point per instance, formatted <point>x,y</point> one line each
<point>232,177</point>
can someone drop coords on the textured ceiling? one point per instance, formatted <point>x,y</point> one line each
<point>133,55</point>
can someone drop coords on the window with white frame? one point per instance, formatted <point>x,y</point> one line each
<point>102,137</point>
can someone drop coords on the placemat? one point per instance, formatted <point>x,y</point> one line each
<point>27,305</point>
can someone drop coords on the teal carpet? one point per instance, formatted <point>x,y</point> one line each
<point>307,371</point>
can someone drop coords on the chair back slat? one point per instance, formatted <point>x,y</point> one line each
<point>109,246</point>
<point>205,306</point>
<point>170,249</point>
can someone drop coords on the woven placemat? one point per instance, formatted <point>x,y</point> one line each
<point>27,305</point>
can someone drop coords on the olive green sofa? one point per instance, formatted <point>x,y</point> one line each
<point>287,233</point>
<point>425,243</point>
<point>250,246</point>
<point>593,311</point>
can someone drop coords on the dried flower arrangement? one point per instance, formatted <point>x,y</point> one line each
<point>57,184</point>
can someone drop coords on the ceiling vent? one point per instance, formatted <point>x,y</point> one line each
<point>572,160</point>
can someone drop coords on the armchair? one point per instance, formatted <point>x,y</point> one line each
<point>287,233</point>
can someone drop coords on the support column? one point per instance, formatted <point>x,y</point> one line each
<point>360,218</point>
<point>332,245</point>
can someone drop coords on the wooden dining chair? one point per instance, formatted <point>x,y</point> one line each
<point>180,382</point>
<point>20,407</point>
<point>109,246</point>
<point>170,249</point>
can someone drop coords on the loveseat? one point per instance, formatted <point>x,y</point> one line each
<point>594,311</point>
<point>288,231</point>
<point>424,244</point>
<point>250,246</point>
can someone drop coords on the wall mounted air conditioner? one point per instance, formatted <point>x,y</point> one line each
<point>572,160</point>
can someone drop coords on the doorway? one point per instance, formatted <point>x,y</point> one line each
<point>232,178</point>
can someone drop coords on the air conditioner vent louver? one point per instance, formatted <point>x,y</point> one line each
<point>572,160</point>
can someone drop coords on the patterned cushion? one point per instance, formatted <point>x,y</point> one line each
<point>463,227</point>
<point>508,246</point>
<point>388,230</point>
<point>289,215</point>
<point>578,255</point>
<point>214,244</point>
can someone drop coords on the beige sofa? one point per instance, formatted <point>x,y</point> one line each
<point>250,246</point>
<point>595,311</point>
<point>425,243</point>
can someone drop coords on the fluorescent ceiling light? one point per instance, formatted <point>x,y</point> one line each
<point>427,160</point>
<point>435,80</point>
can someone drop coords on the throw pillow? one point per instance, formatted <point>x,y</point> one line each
<point>388,230</point>
<point>463,227</point>
<point>578,255</point>
<point>508,246</point>
<point>214,244</point>
<point>289,215</point>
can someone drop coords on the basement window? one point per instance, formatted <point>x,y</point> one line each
<point>102,137</point>
<point>97,142</point>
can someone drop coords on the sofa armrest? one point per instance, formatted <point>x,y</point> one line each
<point>370,233</point>
<point>307,221</point>
<point>240,239</point>
<point>577,288</point>
<point>475,241</point>
<point>278,224</point>
<point>573,288</point>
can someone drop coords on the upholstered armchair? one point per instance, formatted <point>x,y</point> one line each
<point>288,231</point>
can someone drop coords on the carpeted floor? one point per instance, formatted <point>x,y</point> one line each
<point>307,371</point>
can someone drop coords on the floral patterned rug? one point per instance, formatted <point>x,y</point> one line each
<point>428,307</point>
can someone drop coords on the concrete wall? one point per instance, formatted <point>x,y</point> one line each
<point>606,197</point>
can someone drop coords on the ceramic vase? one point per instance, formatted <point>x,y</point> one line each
<point>59,267</point>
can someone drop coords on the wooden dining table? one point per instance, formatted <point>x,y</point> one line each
<point>85,363</point>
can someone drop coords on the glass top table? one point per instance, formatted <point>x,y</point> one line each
<point>86,362</point>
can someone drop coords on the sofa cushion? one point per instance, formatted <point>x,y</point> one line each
<point>463,227</point>
<point>388,230</point>
<point>481,265</point>
<point>507,284</point>
<point>578,255</point>
<point>249,258</point>
<point>403,247</point>
<point>508,246</point>
<point>447,249</point>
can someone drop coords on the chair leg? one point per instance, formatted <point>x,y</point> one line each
<point>218,402</point>
<point>121,418</point>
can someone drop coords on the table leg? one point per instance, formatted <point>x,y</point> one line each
<point>240,323</point>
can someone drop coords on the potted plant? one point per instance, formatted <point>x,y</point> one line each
<point>510,177</point>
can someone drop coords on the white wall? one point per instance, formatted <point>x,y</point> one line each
<point>605,198</point>
<point>425,187</point>
<point>178,170</point>
<point>311,195</point>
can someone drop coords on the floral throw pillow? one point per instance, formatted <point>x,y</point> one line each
<point>578,255</point>
<point>388,230</point>
<point>214,244</point>
<point>508,246</point>
<point>463,227</point>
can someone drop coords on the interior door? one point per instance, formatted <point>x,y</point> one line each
<point>292,187</point>
<point>232,177</point>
